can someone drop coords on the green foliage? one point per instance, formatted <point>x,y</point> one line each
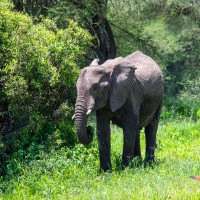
<point>34,8</point>
<point>183,107</point>
<point>39,67</point>
<point>61,11</point>
<point>81,11</point>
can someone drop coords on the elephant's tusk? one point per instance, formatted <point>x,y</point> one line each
<point>89,111</point>
<point>73,117</point>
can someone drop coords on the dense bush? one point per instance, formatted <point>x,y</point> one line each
<point>38,69</point>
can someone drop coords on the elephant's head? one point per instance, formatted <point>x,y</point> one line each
<point>98,86</point>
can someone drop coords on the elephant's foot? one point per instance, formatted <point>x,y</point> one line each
<point>126,161</point>
<point>149,161</point>
<point>133,163</point>
<point>106,168</point>
<point>105,171</point>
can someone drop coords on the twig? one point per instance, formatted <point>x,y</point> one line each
<point>134,37</point>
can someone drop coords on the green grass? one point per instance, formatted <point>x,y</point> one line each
<point>73,174</point>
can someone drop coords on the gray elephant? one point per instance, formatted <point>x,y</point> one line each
<point>127,91</point>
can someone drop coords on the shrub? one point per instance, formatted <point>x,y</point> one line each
<point>38,69</point>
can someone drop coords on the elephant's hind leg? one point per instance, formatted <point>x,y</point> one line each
<point>150,135</point>
<point>137,150</point>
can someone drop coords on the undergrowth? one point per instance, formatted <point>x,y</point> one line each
<point>74,173</point>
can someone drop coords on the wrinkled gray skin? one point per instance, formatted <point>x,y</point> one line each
<point>127,91</point>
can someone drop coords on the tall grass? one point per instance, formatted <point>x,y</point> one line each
<point>74,174</point>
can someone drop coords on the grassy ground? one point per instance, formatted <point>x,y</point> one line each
<point>68,174</point>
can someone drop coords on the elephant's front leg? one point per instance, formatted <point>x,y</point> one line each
<point>130,135</point>
<point>103,134</point>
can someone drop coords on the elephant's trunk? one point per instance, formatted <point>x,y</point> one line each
<point>81,122</point>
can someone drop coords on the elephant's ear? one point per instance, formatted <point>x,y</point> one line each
<point>95,62</point>
<point>122,78</point>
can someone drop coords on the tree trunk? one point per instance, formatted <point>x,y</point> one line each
<point>105,47</point>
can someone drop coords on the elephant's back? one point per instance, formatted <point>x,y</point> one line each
<point>148,73</point>
<point>146,67</point>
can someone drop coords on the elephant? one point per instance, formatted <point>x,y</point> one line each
<point>127,91</point>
